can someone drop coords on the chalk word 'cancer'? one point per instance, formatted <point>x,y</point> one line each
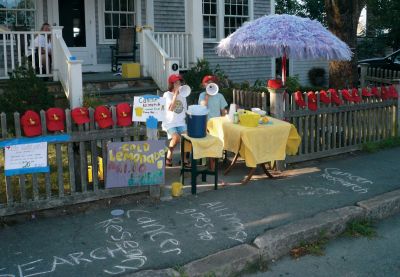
<point>346,179</point>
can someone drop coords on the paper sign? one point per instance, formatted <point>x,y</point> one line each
<point>135,163</point>
<point>148,105</point>
<point>26,158</point>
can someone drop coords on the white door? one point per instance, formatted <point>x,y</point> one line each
<point>79,32</point>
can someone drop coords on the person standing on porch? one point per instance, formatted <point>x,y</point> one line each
<point>216,104</point>
<point>176,108</point>
<point>40,43</point>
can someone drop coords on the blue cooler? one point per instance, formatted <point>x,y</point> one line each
<point>196,119</point>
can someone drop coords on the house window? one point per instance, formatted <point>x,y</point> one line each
<point>17,14</point>
<point>118,13</point>
<point>210,19</point>
<point>223,17</point>
<point>236,12</point>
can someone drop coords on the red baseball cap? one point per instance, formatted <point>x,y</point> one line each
<point>55,119</point>
<point>312,101</point>
<point>323,97</point>
<point>174,77</point>
<point>393,92</point>
<point>80,115</point>
<point>335,97</point>
<point>346,95</point>
<point>103,117</point>
<point>31,124</point>
<point>124,114</point>
<point>209,78</point>
<point>375,92</point>
<point>298,98</point>
<point>274,83</point>
<point>385,93</point>
<point>365,92</point>
<point>356,96</point>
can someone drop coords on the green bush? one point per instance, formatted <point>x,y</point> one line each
<point>25,91</point>
<point>292,84</point>
<point>194,76</point>
<point>316,76</point>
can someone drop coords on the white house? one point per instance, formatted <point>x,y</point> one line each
<point>170,32</point>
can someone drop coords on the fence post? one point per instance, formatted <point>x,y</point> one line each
<point>363,74</point>
<point>396,84</point>
<point>277,105</point>
<point>75,83</point>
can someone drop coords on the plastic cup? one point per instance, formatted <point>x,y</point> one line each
<point>176,189</point>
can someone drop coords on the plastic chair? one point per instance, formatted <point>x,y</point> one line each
<point>125,48</point>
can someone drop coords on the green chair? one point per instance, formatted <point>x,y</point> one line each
<point>125,47</point>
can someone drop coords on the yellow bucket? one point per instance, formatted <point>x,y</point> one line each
<point>176,189</point>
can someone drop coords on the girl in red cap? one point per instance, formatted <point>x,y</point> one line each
<point>175,115</point>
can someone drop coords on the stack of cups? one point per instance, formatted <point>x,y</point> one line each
<point>232,110</point>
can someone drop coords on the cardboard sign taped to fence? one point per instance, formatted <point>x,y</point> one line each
<point>135,163</point>
<point>25,158</point>
<point>146,106</point>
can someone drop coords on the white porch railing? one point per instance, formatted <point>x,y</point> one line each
<point>155,61</point>
<point>176,45</point>
<point>67,69</point>
<point>16,46</point>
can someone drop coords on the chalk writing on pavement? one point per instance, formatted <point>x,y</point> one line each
<point>356,183</point>
<point>207,229</point>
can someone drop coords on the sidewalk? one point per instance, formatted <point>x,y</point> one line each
<point>214,231</point>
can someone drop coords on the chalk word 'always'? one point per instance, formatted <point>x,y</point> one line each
<point>346,179</point>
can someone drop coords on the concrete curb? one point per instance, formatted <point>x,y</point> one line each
<point>382,206</point>
<point>224,263</point>
<point>155,273</point>
<point>277,242</point>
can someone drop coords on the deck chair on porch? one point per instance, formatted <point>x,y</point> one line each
<point>125,48</point>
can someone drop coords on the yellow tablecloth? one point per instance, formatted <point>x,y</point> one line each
<point>207,147</point>
<point>265,143</point>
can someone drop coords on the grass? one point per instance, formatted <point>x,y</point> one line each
<point>372,147</point>
<point>315,248</point>
<point>360,228</point>
<point>259,265</point>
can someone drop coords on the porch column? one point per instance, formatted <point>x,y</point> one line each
<point>194,26</point>
<point>56,31</point>
<point>150,13</point>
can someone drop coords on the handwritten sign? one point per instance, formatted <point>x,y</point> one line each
<point>26,158</point>
<point>148,105</point>
<point>135,163</point>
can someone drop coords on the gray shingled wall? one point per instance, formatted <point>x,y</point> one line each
<point>169,16</point>
<point>243,69</point>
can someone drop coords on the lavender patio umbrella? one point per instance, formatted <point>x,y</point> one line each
<point>285,36</point>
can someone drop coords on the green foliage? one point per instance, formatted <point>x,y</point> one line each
<point>24,91</point>
<point>315,248</point>
<point>370,48</point>
<point>385,21</point>
<point>292,84</point>
<point>360,228</point>
<point>91,99</point>
<point>194,76</point>
<point>314,9</point>
<point>372,147</point>
<point>316,75</point>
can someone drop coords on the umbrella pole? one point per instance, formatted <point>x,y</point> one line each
<point>284,69</point>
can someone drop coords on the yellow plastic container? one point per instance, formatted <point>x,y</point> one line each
<point>99,170</point>
<point>249,119</point>
<point>131,70</point>
<point>176,190</point>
